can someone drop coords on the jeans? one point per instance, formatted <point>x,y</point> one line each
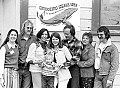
<point>100,81</point>
<point>75,80</point>
<point>47,81</point>
<point>25,79</point>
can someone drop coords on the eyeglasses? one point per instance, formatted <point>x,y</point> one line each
<point>29,27</point>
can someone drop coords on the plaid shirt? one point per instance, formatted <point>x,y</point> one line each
<point>74,46</point>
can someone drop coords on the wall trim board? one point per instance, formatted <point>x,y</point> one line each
<point>23,11</point>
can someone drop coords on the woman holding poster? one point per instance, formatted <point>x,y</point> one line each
<point>62,58</point>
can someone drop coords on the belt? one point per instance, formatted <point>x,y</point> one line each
<point>15,69</point>
<point>23,66</point>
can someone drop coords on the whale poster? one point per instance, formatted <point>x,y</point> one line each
<point>55,14</point>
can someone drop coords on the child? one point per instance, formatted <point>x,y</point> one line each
<point>49,71</point>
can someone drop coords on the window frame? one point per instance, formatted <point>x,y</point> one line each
<point>96,11</point>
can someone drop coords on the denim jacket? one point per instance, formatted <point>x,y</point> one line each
<point>109,63</point>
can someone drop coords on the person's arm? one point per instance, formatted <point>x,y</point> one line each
<point>68,57</point>
<point>67,53</point>
<point>77,52</point>
<point>90,61</point>
<point>114,63</point>
<point>31,53</point>
<point>2,61</point>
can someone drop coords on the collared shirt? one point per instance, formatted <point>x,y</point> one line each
<point>24,46</point>
<point>74,46</point>
<point>10,45</point>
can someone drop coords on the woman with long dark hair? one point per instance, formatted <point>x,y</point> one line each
<point>9,60</point>
<point>62,58</point>
<point>36,56</point>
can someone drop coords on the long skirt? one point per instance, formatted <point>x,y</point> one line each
<point>11,78</point>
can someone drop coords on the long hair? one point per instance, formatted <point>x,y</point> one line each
<point>26,22</point>
<point>56,35</point>
<point>7,38</point>
<point>40,33</point>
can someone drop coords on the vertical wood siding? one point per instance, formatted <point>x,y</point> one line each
<point>9,16</point>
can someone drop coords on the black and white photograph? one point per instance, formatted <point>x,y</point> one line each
<point>59,43</point>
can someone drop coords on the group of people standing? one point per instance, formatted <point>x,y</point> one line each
<point>47,61</point>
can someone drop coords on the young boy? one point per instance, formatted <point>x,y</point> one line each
<point>49,71</point>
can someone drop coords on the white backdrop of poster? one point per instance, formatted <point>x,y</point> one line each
<point>52,14</point>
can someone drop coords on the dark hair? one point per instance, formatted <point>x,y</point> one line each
<point>72,29</point>
<point>89,35</point>
<point>7,38</point>
<point>40,33</point>
<point>105,30</point>
<point>56,35</point>
<point>26,22</point>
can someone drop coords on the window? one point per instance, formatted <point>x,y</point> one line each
<point>106,13</point>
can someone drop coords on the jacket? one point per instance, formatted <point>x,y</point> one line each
<point>109,63</point>
<point>86,62</point>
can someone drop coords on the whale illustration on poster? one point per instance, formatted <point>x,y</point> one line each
<point>55,16</point>
<point>59,18</point>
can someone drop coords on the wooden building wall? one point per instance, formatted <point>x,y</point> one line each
<point>9,17</point>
